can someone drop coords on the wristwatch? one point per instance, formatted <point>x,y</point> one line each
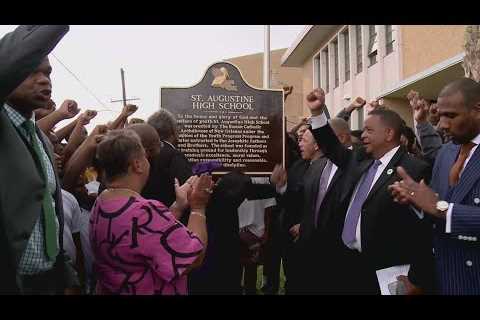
<point>442,206</point>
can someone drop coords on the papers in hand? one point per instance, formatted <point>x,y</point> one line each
<point>389,276</point>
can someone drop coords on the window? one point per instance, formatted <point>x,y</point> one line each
<point>326,84</point>
<point>358,38</point>
<point>335,61</point>
<point>317,72</point>
<point>346,46</point>
<point>372,45</point>
<point>389,40</point>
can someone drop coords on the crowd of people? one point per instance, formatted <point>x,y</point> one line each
<point>120,210</point>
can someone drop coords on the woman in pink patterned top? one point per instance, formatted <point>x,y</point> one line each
<point>139,245</point>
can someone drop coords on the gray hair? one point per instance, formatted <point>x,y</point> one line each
<point>164,122</point>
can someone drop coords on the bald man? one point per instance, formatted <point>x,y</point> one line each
<point>160,184</point>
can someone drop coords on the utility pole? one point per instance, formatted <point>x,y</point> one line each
<point>266,58</point>
<point>124,94</point>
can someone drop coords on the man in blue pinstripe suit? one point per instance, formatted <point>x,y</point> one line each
<point>453,199</point>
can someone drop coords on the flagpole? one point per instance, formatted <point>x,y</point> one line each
<point>266,59</point>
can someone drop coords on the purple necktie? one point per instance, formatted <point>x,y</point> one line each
<point>322,189</point>
<point>353,214</point>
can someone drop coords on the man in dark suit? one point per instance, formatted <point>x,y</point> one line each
<point>166,125</point>
<point>453,199</point>
<point>170,160</point>
<point>32,259</point>
<point>377,232</point>
<point>299,195</point>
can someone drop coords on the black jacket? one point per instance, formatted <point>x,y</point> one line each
<point>391,233</point>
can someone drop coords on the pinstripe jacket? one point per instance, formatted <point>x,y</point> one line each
<point>457,254</point>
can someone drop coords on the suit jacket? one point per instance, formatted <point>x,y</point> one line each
<point>176,162</point>
<point>457,255</point>
<point>22,188</point>
<point>391,234</point>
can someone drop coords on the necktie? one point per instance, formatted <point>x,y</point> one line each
<point>47,202</point>
<point>322,188</point>
<point>353,214</point>
<point>457,167</point>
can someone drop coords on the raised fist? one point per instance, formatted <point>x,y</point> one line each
<point>87,116</point>
<point>129,109</point>
<point>69,109</point>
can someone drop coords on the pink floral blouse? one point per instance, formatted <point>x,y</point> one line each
<point>140,248</point>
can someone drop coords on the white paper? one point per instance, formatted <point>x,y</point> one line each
<point>389,275</point>
<point>92,187</point>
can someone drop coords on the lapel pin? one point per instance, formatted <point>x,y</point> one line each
<point>389,171</point>
<point>476,200</point>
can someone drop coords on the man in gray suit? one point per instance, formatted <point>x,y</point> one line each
<point>32,259</point>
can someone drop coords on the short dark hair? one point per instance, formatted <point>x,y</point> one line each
<point>116,151</point>
<point>470,90</point>
<point>357,134</point>
<point>164,122</point>
<point>391,119</point>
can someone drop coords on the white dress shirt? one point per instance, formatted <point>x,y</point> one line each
<point>385,160</point>
<point>448,224</point>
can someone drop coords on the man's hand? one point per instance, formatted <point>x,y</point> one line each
<point>129,109</point>
<point>97,135</point>
<point>287,90</point>
<point>407,191</point>
<point>358,103</point>
<point>87,116</point>
<point>279,176</point>
<point>410,287</point>
<point>420,110</point>
<point>295,232</point>
<point>316,102</point>
<point>69,109</point>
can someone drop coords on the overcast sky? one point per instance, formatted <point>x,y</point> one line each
<point>152,57</point>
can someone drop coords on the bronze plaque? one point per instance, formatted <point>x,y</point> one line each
<point>223,118</point>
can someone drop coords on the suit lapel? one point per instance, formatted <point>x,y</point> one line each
<point>387,173</point>
<point>319,165</point>
<point>469,176</point>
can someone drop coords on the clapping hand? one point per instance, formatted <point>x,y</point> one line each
<point>69,109</point>
<point>202,190</point>
<point>183,192</point>
<point>278,176</point>
<point>408,191</point>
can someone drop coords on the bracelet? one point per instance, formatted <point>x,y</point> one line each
<point>198,214</point>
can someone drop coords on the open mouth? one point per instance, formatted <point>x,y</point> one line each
<point>46,93</point>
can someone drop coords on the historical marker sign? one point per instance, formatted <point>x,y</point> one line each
<point>223,118</point>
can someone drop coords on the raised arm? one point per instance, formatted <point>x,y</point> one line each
<point>67,110</point>
<point>121,120</point>
<point>323,133</point>
<point>346,113</point>
<point>82,158</point>
<point>77,137</point>
<point>22,50</point>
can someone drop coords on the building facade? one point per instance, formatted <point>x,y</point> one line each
<point>376,62</point>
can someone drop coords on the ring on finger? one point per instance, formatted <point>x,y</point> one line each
<point>208,190</point>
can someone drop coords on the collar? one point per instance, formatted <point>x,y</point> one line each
<point>476,140</point>
<point>385,160</point>
<point>171,145</point>
<point>16,117</point>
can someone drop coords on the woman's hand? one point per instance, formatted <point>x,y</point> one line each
<point>202,190</point>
